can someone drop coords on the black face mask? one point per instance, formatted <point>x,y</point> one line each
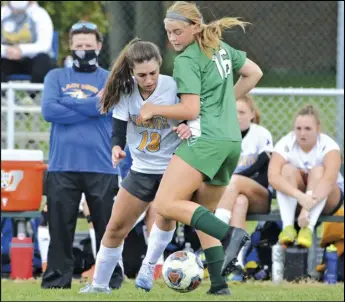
<point>85,60</point>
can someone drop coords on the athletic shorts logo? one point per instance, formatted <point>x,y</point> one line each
<point>192,140</point>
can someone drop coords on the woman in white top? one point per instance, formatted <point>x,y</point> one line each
<point>248,188</point>
<point>135,80</point>
<point>304,170</point>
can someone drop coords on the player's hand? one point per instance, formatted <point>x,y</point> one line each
<point>306,201</point>
<point>13,53</point>
<point>117,154</point>
<point>146,111</point>
<point>183,131</point>
<point>303,218</point>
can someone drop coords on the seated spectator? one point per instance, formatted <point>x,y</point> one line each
<point>26,39</point>
<point>248,188</point>
<point>304,170</point>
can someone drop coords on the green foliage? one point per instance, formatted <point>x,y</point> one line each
<point>65,13</point>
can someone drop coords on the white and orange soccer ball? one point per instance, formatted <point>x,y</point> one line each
<point>183,271</point>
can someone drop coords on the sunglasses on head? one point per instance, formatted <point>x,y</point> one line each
<point>87,25</point>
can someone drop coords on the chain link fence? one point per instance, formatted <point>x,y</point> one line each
<point>295,43</point>
<point>277,107</point>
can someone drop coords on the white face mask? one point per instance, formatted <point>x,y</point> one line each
<point>19,5</point>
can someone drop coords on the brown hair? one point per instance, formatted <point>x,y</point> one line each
<point>250,102</point>
<point>85,30</point>
<point>310,110</point>
<point>210,34</point>
<point>120,79</point>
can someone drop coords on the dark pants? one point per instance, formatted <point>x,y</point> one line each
<point>37,67</point>
<point>64,191</point>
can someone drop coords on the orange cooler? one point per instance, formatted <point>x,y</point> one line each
<point>21,180</point>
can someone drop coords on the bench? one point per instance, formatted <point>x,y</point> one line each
<point>312,253</point>
<point>21,217</point>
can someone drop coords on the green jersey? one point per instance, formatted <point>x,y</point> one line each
<point>213,80</point>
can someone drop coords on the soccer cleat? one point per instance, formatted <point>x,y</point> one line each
<point>288,235</point>
<point>117,277</point>
<point>145,277</point>
<point>232,243</point>
<point>91,289</point>
<point>222,290</point>
<point>305,237</point>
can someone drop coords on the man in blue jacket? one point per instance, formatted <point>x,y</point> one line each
<point>80,153</point>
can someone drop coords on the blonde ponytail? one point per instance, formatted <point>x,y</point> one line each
<point>210,34</point>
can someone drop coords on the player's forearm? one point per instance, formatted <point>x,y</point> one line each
<point>176,112</point>
<point>323,189</point>
<point>280,184</point>
<point>246,84</point>
<point>119,133</point>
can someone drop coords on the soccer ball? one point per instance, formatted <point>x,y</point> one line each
<point>183,271</point>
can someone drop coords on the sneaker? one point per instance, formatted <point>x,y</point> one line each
<point>145,276</point>
<point>91,289</point>
<point>117,277</point>
<point>222,290</point>
<point>288,235</point>
<point>305,237</point>
<point>232,243</point>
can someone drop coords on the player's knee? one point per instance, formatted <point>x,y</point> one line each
<point>164,223</point>
<point>316,173</point>
<point>241,201</point>
<point>231,188</point>
<point>289,172</point>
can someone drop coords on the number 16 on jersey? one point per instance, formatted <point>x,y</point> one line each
<point>224,65</point>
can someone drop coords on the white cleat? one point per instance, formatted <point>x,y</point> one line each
<point>91,289</point>
<point>145,277</point>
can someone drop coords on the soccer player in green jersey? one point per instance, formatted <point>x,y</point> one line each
<point>203,164</point>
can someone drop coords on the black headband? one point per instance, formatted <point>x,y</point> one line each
<point>177,16</point>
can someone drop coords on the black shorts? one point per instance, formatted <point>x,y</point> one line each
<point>261,177</point>
<point>339,205</point>
<point>141,185</point>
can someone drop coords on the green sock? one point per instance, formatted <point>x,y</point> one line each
<point>207,222</point>
<point>215,258</point>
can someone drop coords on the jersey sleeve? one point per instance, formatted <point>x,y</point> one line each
<point>238,57</point>
<point>187,76</point>
<point>282,147</point>
<point>265,141</point>
<point>328,144</point>
<point>121,110</point>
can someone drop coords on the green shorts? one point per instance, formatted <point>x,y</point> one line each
<point>216,159</point>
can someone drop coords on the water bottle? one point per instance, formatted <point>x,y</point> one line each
<point>21,233</point>
<point>331,272</point>
<point>262,274</point>
<point>277,263</point>
<point>188,247</point>
<point>179,238</point>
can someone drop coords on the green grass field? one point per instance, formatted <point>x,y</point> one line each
<point>250,291</point>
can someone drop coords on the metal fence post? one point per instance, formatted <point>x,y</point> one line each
<point>10,117</point>
<point>340,75</point>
